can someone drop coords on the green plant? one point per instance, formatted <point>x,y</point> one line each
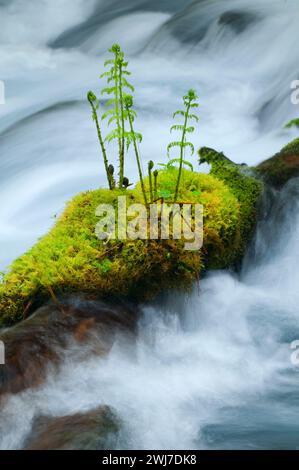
<point>150,167</point>
<point>189,104</point>
<point>292,123</point>
<point>156,173</point>
<point>94,103</point>
<point>117,82</point>
<point>134,137</point>
<point>170,164</point>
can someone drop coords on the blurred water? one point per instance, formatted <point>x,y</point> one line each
<point>209,370</point>
<point>240,55</point>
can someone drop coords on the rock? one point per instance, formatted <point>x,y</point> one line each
<point>278,170</point>
<point>247,189</point>
<point>71,258</point>
<point>33,344</point>
<point>238,21</point>
<point>95,430</point>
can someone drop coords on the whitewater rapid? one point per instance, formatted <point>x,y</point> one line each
<point>241,56</point>
<point>209,370</point>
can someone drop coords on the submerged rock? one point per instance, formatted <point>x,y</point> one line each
<point>40,341</point>
<point>94,430</point>
<point>278,170</point>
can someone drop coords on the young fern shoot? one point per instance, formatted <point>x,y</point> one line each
<point>94,103</point>
<point>190,104</point>
<point>117,82</point>
<point>156,173</point>
<point>150,167</point>
<point>134,137</point>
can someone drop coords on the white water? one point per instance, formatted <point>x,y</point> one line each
<point>51,53</point>
<point>213,370</point>
<point>210,371</point>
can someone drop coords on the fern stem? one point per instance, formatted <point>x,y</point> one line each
<point>150,167</point>
<point>137,156</point>
<point>106,163</point>
<point>155,183</point>
<point>122,143</point>
<point>182,150</point>
<point>116,96</point>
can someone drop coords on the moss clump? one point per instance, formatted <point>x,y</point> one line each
<point>70,258</point>
<point>243,185</point>
<point>278,170</point>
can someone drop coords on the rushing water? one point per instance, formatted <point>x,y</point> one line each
<point>211,370</point>
<point>240,55</point>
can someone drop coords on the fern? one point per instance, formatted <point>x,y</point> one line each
<point>292,123</point>
<point>94,103</point>
<point>150,167</point>
<point>156,174</point>
<point>134,137</point>
<point>117,82</point>
<point>189,103</point>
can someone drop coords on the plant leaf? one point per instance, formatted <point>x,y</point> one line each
<point>188,144</point>
<point>177,127</point>
<point>179,113</point>
<point>178,160</point>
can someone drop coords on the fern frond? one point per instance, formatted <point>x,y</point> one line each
<point>178,160</point>
<point>113,118</point>
<point>128,85</point>
<point>115,134</point>
<point>177,127</point>
<point>108,62</point>
<point>188,144</point>
<point>111,101</point>
<point>173,144</point>
<point>107,73</point>
<point>109,112</point>
<point>190,129</point>
<point>193,116</point>
<point>108,90</point>
<point>179,113</point>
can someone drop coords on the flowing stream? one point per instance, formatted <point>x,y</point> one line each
<point>208,370</point>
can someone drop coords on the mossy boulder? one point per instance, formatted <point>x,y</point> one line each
<point>243,184</point>
<point>278,170</point>
<point>70,258</point>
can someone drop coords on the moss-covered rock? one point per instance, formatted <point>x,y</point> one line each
<point>70,258</point>
<point>278,170</point>
<point>243,185</point>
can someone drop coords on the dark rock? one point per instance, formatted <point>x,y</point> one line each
<point>39,341</point>
<point>238,21</point>
<point>95,430</point>
<point>278,170</point>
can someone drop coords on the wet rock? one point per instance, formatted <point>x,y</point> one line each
<point>94,430</point>
<point>278,170</point>
<point>238,21</point>
<point>43,339</point>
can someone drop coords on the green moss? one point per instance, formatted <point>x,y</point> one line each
<point>70,258</point>
<point>243,185</point>
<point>278,170</point>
